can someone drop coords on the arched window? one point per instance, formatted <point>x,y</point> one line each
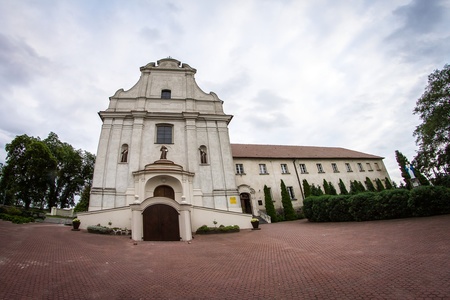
<point>203,155</point>
<point>166,94</point>
<point>124,153</point>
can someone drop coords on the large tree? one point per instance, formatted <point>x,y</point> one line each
<point>73,170</point>
<point>433,135</point>
<point>28,170</point>
<point>45,173</point>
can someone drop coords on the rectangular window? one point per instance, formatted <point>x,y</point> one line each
<point>335,168</point>
<point>303,169</point>
<point>239,169</point>
<point>360,167</point>
<point>166,94</point>
<point>164,134</point>
<point>262,169</point>
<point>260,202</point>
<point>284,169</point>
<point>290,190</point>
<point>319,168</point>
<point>348,167</point>
<point>377,167</point>
<point>369,167</point>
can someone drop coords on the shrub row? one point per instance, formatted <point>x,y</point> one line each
<point>99,229</point>
<point>388,204</point>
<point>16,219</point>
<point>221,229</point>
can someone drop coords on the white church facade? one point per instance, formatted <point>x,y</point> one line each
<point>165,165</point>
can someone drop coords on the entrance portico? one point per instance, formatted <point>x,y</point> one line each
<point>164,214</point>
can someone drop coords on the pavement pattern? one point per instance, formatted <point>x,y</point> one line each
<point>392,259</point>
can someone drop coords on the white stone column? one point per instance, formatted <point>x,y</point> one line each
<point>136,221</point>
<point>185,221</point>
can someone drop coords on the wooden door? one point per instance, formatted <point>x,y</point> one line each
<point>246,204</point>
<point>161,223</point>
<point>164,191</point>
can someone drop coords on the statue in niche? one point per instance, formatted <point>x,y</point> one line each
<point>203,156</point>
<point>164,151</point>
<point>124,157</point>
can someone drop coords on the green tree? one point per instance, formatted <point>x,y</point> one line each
<point>433,135</point>
<point>44,173</point>
<point>83,203</point>
<point>388,184</point>
<point>356,187</point>
<point>29,166</point>
<point>369,185</point>
<point>332,189</point>
<point>342,187</point>
<point>380,186</point>
<point>68,179</point>
<point>326,187</point>
<point>402,163</point>
<point>316,190</point>
<point>361,187</point>
<point>270,208</point>
<point>289,212</point>
<point>306,188</point>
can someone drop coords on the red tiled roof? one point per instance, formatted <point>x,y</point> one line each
<point>280,151</point>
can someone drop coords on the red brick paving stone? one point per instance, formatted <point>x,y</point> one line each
<point>394,259</point>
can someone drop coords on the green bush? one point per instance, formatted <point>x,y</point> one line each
<point>429,200</point>
<point>99,229</point>
<point>221,229</point>
<point>14,211</point>
<point>392,204</point>
<point>320,208</point>
<point>307,208</point>
<point>339,209</point>
<point>16,219</point>
<point>363,207</point>
<point>387,204</point>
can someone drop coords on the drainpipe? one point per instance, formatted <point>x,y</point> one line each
<point>298,178</point>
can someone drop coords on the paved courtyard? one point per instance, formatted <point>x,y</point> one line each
<point>394,259</point>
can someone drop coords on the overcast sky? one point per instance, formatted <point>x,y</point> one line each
<point>314,73</point>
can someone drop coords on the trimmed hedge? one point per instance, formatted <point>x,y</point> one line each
<point>387,204</point>
<point>16,219</point>
<point>221,229</point>
<point>99,229</point>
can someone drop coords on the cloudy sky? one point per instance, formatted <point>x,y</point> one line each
<point>343,73</point>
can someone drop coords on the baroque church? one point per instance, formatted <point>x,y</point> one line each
<point>165,165</point>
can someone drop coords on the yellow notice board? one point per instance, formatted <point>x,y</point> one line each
<point>233,200</point>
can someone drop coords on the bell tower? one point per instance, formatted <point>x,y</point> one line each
<point>165,134</point>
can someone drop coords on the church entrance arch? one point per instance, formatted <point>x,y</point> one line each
<point>246,203</point>
<point>164,191</point>
<point>161,223</point>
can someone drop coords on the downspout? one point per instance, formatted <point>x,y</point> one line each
<point>298,178</point>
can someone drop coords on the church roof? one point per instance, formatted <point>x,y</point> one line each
<point>283,151</point>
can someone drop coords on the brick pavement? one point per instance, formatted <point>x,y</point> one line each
<point>393,259</point>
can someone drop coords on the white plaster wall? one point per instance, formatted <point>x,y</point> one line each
<point>256,181</point>
<point>119,217</point>
<point>204,216</point>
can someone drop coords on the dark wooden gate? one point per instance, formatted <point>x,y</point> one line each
<point>164,191</point>
<point>161,223</point>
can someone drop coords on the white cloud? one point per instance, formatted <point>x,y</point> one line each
<point>322,73</point>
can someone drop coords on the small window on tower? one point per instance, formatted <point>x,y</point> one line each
<point>166,94</point>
